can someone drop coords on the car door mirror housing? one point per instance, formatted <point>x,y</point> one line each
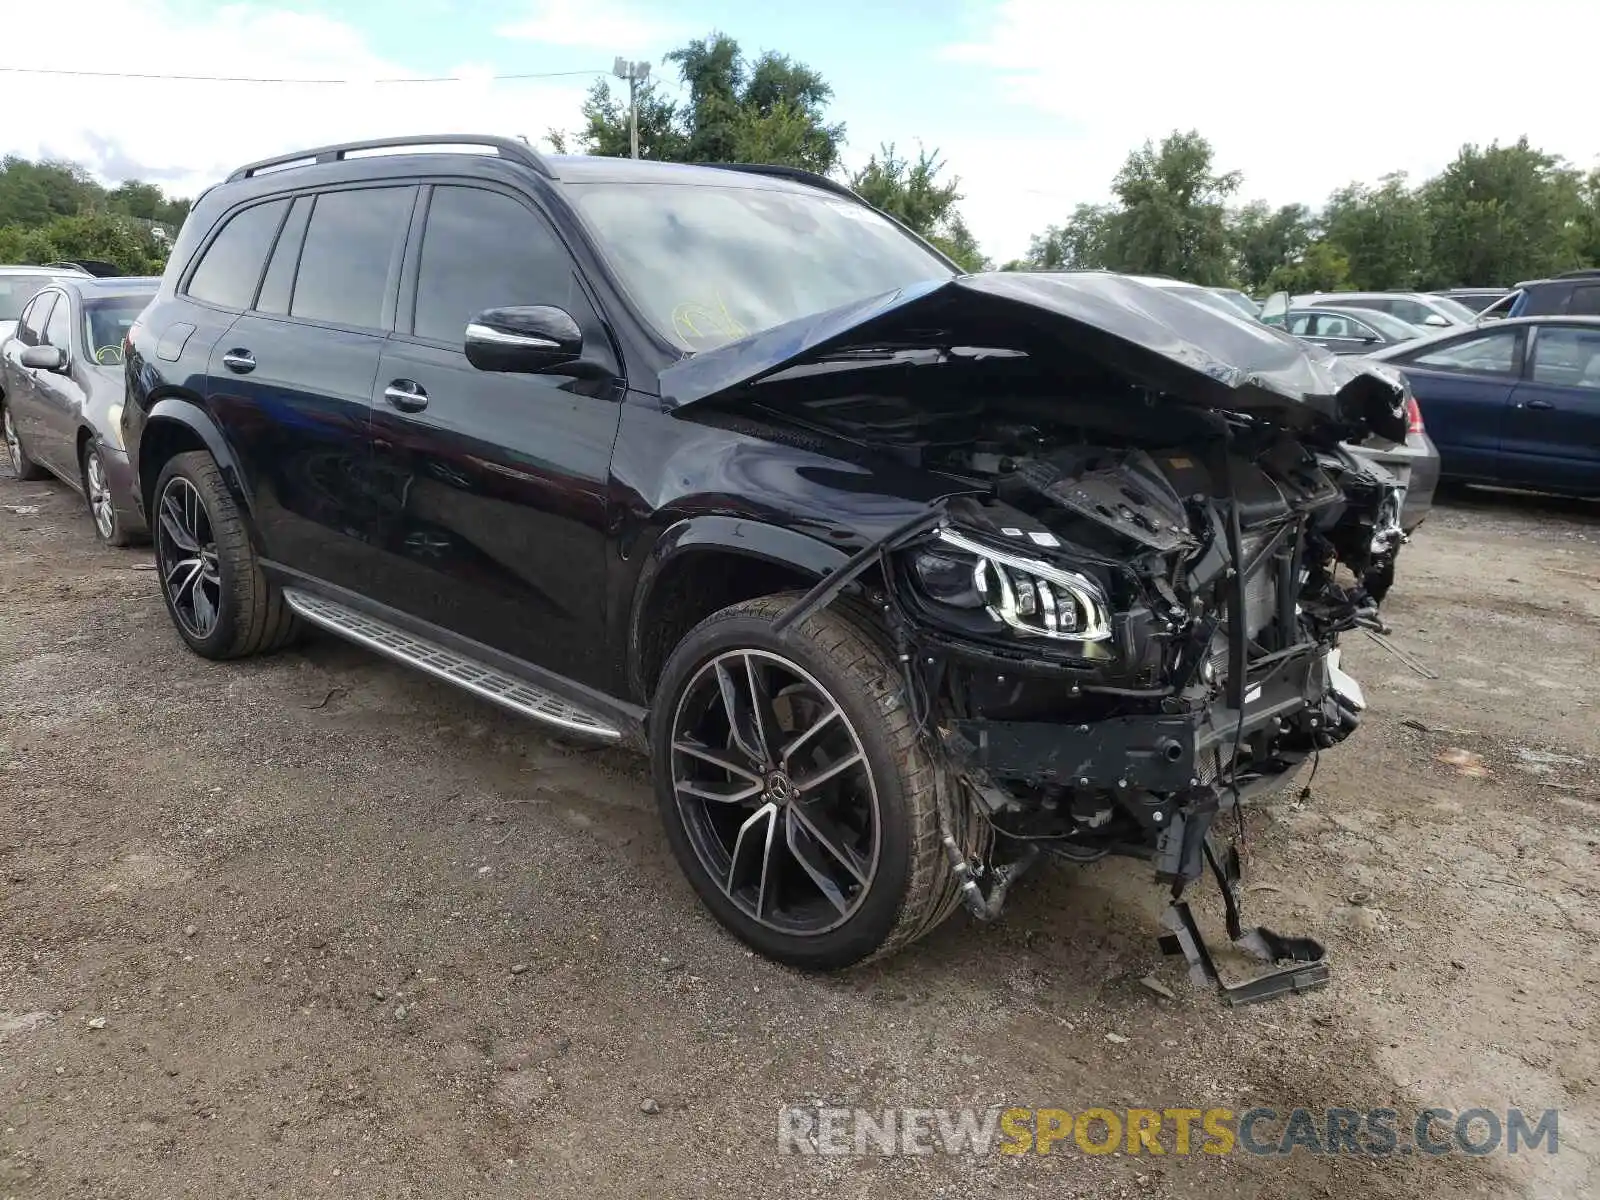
<point>44,358</point>
<point>1435,320</point>
<point>530,339</point>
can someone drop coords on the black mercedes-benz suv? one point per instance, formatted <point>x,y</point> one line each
<point>903,578</point>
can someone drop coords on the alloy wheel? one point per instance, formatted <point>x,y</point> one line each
<point>186,552</point>
<point>775,792</point>
<point>13,442</point>
<point>99,489</point>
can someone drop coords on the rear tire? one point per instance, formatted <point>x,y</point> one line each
<point>220,601</point>
<point>108,525</point>
<point>860,870</point>
<point>23,466</point>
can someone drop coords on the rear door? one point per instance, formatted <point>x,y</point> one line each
<point>495,485</point>
<point>1463,386</point>
<point>291,381</point>
<point>1552,428</point>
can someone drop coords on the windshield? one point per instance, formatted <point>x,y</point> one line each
<point>1211,300</point>
<point>106,322</point>
<point>17,290</point>
<point>711,264</point>
<point>1455,310</point>
<point>1239,300</point>
<point>1391,327</point>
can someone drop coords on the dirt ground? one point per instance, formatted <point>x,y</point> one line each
<point>259,924</point>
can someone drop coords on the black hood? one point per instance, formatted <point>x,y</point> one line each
<point>1151,335</point>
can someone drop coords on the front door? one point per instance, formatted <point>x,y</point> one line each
<point>1463,386</point>
<point>1552,429</point>
<point>58,397</point>
<point>495,486</point>
<point>22,399</point>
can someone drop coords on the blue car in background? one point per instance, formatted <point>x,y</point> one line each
<point>1515,402</point>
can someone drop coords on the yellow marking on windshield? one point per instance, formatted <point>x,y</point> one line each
<point>694,320</point>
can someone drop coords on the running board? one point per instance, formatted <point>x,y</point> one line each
<point>518,695</point>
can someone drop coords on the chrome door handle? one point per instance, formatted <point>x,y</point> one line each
<point>407,395</point>
<point>241,362</point>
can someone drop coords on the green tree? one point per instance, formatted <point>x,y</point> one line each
<point>128,243</point>
<point>1585,231</point>
<point>1502,214</point>
<point>1382,232</point>
<point>1320,267</point>
<point>56,210</point>
<point>1265,240</point>
<point>769,110</point>
<point>606,129</point>
<point>1082,244</point>
<point>911,192</point>
<point>1172,217</point>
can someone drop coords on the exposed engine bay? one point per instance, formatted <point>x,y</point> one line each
<point>1124,620</point>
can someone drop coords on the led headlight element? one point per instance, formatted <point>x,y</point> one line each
<point>1029,596</point>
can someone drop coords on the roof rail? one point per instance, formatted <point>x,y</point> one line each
<point>507,148</point>
<point>799,174</point>
<point>1588,273</point>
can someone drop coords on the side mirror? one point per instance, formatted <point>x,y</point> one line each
<point>524,339</point>
<point>1435,321</point>
<point>1371,339</point>
<point>44,358</point>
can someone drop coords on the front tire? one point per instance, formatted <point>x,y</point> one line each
<point>23,466</point>
<point>794,789</point>
<point>220,601</point>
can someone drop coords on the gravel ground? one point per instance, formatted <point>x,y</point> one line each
<point>315,925</point>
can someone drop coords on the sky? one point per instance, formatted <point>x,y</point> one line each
<point>1034,104</point>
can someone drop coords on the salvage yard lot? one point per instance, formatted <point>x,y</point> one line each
<point>313,924</point>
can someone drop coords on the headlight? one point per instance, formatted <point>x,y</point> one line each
<point>1025,594</point>
<point>114,425</point>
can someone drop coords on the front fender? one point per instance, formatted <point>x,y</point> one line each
<point>723,536</point>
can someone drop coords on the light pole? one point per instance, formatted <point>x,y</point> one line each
<point>635,73</point>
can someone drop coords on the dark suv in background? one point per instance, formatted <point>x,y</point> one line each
<point>1575,294</point>
<point>902,578</point>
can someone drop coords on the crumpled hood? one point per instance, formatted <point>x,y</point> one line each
<point>1151,335</point>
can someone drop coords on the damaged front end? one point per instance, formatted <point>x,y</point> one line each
<point>1125,622</point>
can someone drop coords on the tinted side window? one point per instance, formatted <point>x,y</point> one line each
<point>231,266</point>
<point>1495,353</point>
<point>58,331</point>
<point>279,281</point>
<point>1585,301</point>
<point>351,253</point>
<point>482,250</point>
<point>31,331</point>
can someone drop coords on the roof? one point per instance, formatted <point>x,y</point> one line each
<point>421,152</point>
<point>593,168</point>
<point>114,287</point>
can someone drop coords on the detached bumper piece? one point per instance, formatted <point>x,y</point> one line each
<point>1306,969</point>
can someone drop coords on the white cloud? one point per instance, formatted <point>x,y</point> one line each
<point>188,135</point>
<point>595,23</point>
<point>1302,99</point>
